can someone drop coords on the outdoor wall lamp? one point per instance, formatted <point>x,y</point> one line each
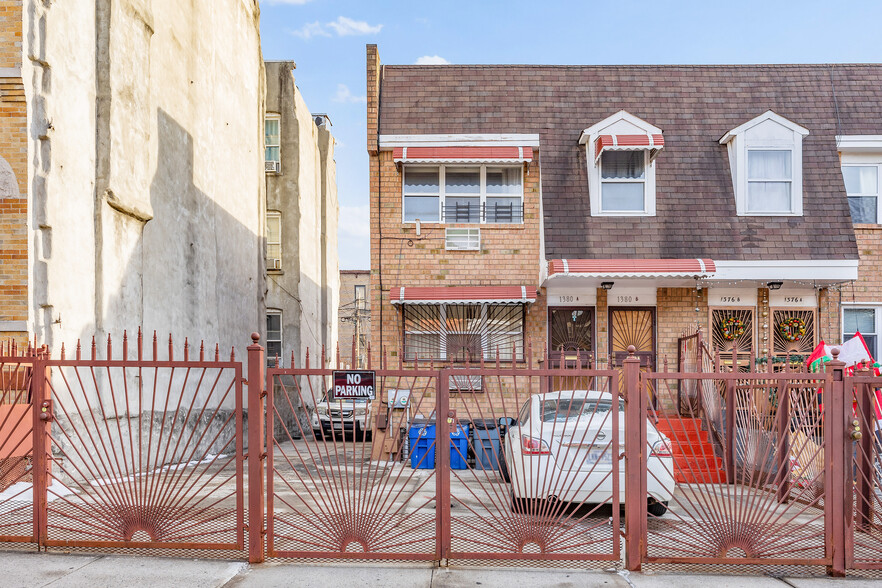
<point>606,285</point>
<point>775,285</point>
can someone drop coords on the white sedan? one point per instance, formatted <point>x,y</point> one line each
<point>560,448</point>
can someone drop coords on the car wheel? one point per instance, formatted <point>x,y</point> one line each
<point>656,508</point>
<point>503,466</point>
<point>519,505</point>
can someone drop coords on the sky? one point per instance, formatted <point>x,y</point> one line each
<point>327,38</point>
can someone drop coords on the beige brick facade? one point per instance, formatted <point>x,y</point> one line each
<point>514,255</point>
<point>14,178</point>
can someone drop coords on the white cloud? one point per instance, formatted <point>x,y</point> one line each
<point>355,221</point>
<point>342,27</point>
<point>309,30</point>
<point>345,96</point>
<point>292,2</point>
<point>431,60</point>
<point>346,26</point>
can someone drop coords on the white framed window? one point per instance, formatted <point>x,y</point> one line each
<point>462,239</point>
<point>463,194</point>
<point>273,240</point>
<point>765,160</point>
<point>457,332</point>
<point>272,142</point>
<point>769,180</point>
<point>623,181</point>
<point>273,336</point>
<point>621,151</point>
<point>360,296</point>
<point>866,320</point>
<point>862,187</point>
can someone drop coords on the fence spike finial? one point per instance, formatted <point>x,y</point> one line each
<point>232,354</point>
<point>125,344</point>
<point>109,348</point>
<point>62,350</point>
<point>171,350</point>
<point>202,350</point>
<point>217,352</point>
<point>186,348</point>
<point>140,344</point>
<point>307,358</point>
<point>324,359</point>
<point>94,348</point>
<point>155,346</point>
<point>79,350</point>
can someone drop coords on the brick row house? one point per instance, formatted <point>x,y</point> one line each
<point>584,209</point>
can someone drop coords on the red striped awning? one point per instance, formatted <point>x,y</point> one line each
<point>462,154</point>
<point>462,295</point>
<point>632,268</point>
<point>654,143</point>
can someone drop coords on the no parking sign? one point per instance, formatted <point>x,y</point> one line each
<point>351,385</point>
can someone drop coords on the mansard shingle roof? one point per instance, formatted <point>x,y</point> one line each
<point>694,106</point>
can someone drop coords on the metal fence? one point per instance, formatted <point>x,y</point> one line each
<point>501,462</point>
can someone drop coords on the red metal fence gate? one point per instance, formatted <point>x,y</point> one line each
<point>865,536</point>
<point>486,462</point>
<point>17,495</point>
<point>130,452</point>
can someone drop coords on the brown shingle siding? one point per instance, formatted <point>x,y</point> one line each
<point>695,106</point>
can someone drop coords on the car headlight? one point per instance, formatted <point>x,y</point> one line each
<point>360,411</point>
<point>321,410</point>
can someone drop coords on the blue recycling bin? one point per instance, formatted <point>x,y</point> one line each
<point>422,451</point>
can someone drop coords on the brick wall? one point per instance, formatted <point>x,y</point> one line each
<point>509,256</point>
<point>10,33</point>
<point>13,199</point>
<point>348,312</point>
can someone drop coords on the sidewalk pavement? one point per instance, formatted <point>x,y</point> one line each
<point>25,570</point>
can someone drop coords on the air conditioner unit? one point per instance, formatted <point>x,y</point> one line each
<point>273,166</point>
<point>273,264</point>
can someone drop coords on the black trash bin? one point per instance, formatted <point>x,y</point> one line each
<point>486,441</point>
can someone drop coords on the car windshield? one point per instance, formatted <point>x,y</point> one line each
<point>564,409</point>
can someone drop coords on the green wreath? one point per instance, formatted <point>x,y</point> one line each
<point>731,328</point>
<point>792,329</point>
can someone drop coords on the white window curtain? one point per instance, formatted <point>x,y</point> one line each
<point>769,178</point>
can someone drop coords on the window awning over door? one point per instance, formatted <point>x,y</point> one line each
<point>462,154</point>
<point>654,143</point>
<point>632,268</point>
<point>462,295</point>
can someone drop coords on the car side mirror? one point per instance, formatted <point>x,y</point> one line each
<point>506,422</point>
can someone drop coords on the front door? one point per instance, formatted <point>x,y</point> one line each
<point>632,326</point>
<point>570,335</point>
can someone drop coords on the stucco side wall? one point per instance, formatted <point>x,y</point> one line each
<point>148,188</point>
<point>330,257</point>
<point>305,193</point>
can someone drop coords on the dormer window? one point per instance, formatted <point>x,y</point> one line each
<point>621,152</point>
<point>765,158</point>
<point>623,181</point>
